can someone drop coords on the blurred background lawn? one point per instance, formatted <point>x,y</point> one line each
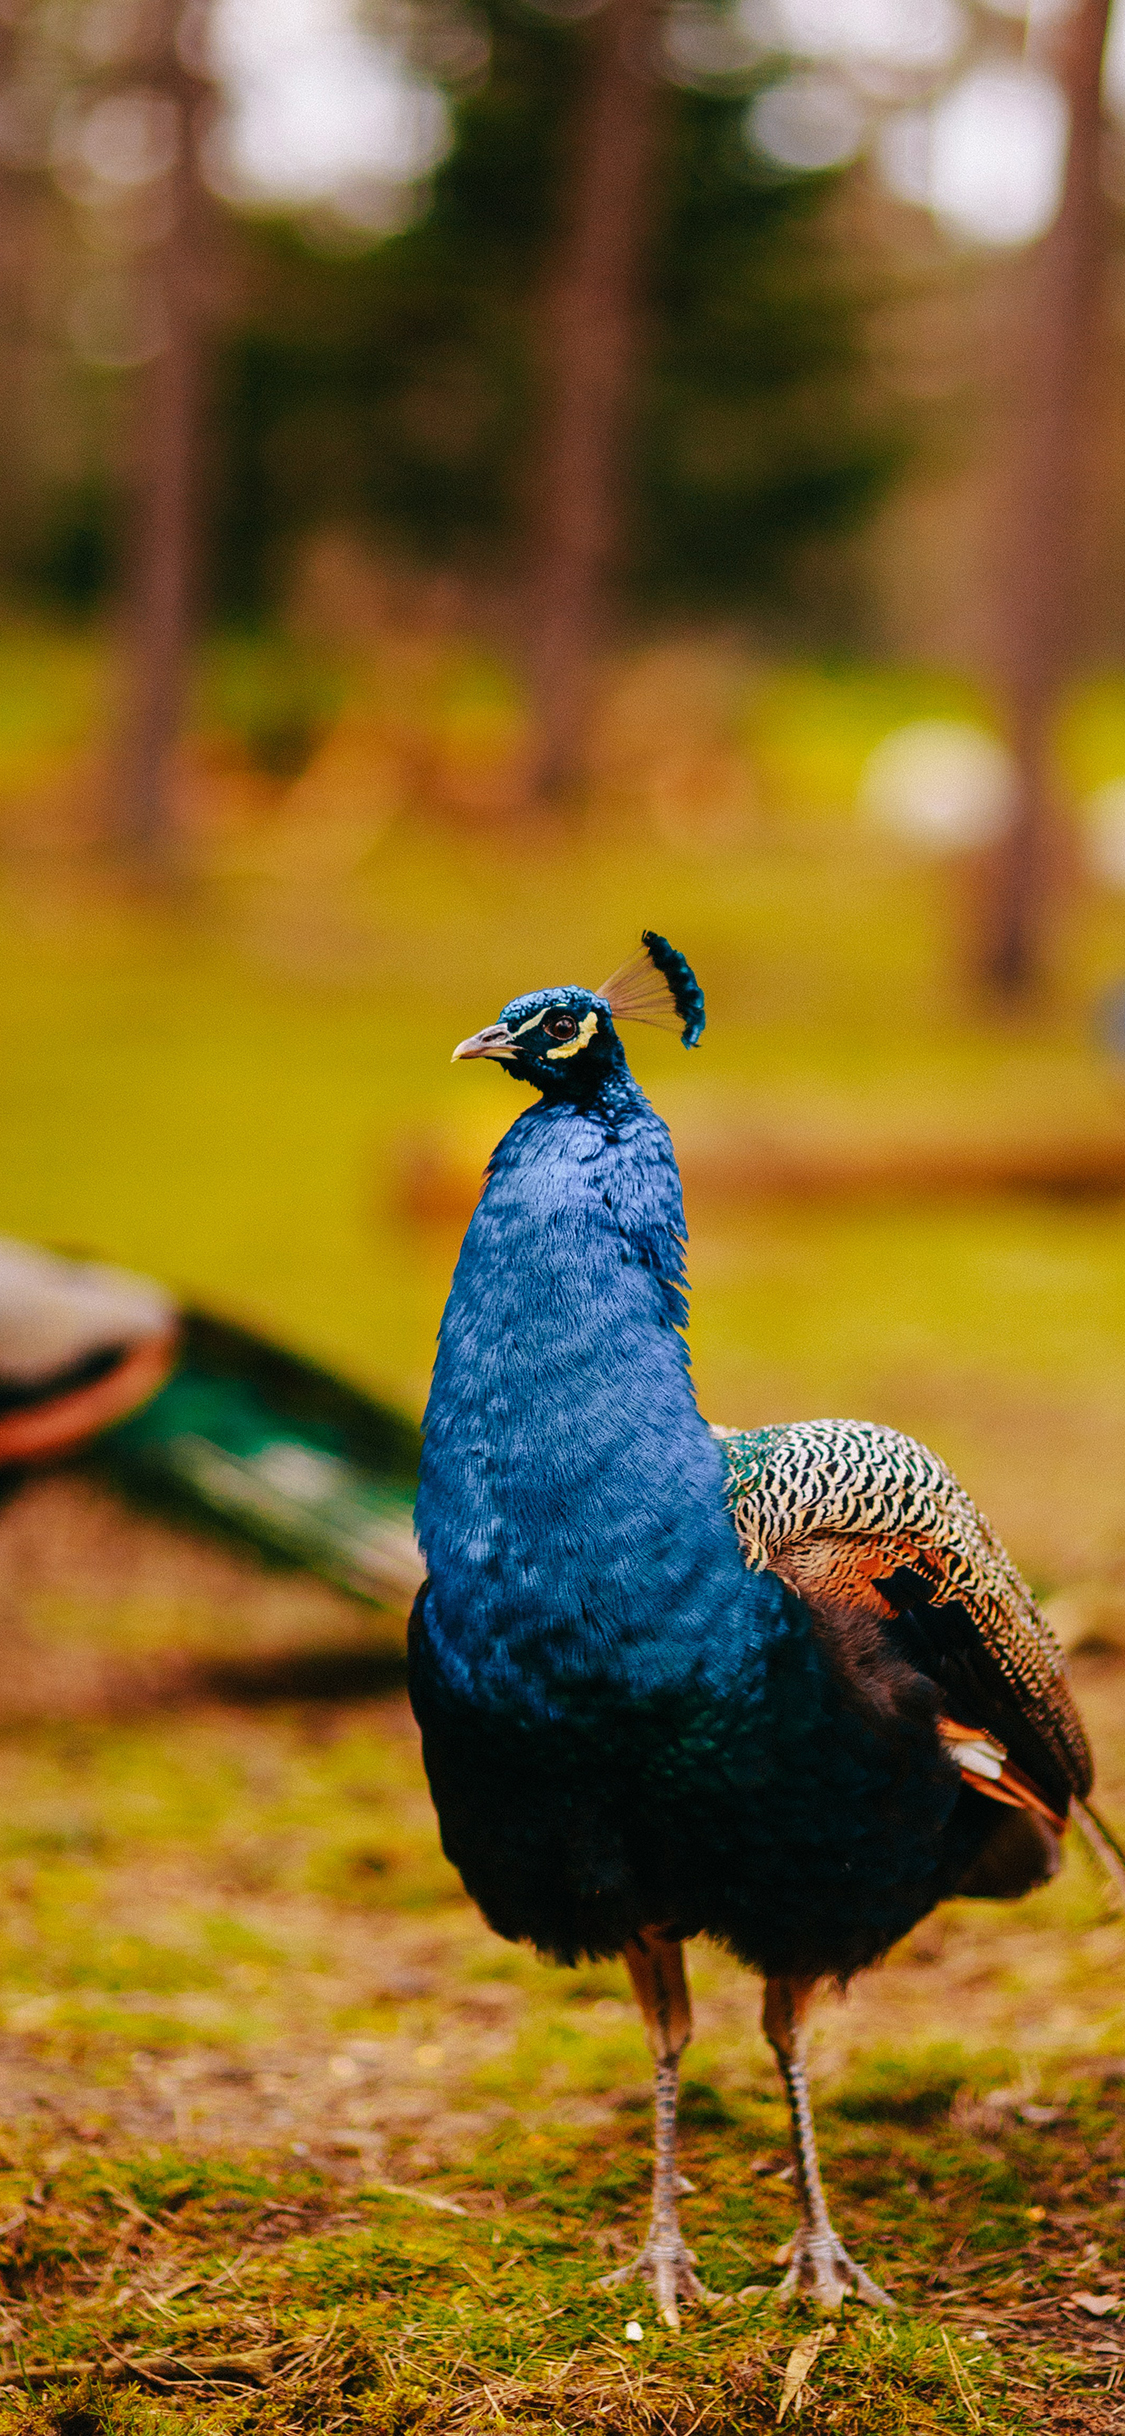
<point>243,1084</point>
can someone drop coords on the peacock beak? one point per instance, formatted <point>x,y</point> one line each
<point>494,1041</point>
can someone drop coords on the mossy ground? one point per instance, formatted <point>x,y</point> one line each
<point>241,1993</point>
<point>253,2031</point>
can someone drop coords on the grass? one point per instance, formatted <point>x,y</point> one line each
<point>249,2027</point>
<point>288,2141</point>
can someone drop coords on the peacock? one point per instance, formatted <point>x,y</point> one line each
<point>782,1688</point>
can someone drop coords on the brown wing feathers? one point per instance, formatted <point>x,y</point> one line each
<point>865,1522</point>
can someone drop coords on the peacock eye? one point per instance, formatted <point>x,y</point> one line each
<point>560,1027</point>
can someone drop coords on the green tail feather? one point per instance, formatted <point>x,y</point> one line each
<point>280,1450</point>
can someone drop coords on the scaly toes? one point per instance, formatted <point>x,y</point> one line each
<point>667,2267</point>
<point>820,2270</point>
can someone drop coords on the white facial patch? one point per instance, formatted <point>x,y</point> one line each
<point>585,1032</point>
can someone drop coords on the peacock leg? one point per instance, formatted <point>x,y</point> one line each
<point>656,1968</point>
<point>819,2265</point>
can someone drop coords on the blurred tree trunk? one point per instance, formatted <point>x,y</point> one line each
<point>165,470</point>
<point>588,356</point>
<point>1038,563</point>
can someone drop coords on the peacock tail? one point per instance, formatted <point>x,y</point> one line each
<point>840,1508</point>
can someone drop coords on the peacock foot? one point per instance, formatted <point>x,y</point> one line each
<point>667,2266</point>
<point>821,2271</point>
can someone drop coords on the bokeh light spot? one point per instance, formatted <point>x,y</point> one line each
<point>810,120</point>
<point>989,158</point>
<point>944,785</point>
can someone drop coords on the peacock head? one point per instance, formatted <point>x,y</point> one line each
<point>565,1041</point>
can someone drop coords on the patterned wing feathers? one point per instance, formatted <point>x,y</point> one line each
<point>837,1508</point>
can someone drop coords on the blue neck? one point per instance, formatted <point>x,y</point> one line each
<point>570,1503</point>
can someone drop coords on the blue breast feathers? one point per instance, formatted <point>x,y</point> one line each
<point>571,1504</point>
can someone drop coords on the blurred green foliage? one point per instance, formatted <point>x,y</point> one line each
<point>277,697</point>
<point>69,556</point>
<point>397,388</point>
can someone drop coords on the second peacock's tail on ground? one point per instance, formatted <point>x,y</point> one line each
<point>207,1417</point>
